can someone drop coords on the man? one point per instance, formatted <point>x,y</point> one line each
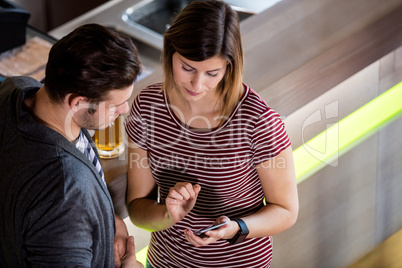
<point>55,210</point>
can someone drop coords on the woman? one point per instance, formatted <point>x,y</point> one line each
<point>206,149</point>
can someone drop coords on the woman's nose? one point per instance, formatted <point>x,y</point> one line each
<point>197,82</point>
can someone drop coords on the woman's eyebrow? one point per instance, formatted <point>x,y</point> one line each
<point>188,65</point>
<point>216,70</point>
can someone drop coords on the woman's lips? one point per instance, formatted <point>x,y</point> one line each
<point>192,93</point>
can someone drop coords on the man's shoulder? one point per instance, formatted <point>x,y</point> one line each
<point>20,83</point>
<point>12,91</point>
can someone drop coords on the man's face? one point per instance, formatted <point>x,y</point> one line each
<point>106,111</point>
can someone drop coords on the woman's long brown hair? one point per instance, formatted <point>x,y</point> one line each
<point>205,29</point>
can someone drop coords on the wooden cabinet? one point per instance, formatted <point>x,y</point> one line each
<point>48,14</point>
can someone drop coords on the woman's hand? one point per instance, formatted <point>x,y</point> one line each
<point>181,200</point>
<point>225,232</point>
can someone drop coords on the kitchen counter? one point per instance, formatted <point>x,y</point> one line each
<point>297,50</point>
<point>294,51</point>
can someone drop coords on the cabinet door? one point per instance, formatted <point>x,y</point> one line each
<point>37,8</point>
<point>62,11</point>
<point>49,14</point>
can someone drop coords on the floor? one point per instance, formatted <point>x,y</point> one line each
<point>117,189</point>
<point>141,237</point>
<point>386,255</point>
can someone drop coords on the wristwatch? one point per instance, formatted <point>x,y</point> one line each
<point>241,234</point>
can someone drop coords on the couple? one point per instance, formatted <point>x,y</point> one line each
<point>56,210</point>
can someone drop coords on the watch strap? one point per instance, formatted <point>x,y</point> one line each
<point>241,234</point>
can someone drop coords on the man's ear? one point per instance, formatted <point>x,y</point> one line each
<point>76,102</point>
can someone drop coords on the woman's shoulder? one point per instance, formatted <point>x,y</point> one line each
<point>152,89</point>
<point>252,100</point>
<point>153,92</point>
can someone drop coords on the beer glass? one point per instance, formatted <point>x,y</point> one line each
<point>109,141</point>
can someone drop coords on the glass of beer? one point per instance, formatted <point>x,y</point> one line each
<point>109,141</point>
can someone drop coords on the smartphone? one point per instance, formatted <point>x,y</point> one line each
<point>201,233</point>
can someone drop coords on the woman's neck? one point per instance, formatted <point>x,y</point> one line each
<point>204,113</point>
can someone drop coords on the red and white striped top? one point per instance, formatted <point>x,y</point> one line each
<point>222,161</point>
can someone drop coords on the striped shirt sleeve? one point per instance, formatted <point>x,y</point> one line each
<point>135,125</point>
<point>269,137</point>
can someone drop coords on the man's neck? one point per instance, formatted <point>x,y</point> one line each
<point>52,115</point>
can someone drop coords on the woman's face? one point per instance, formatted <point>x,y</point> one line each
<point>197,79</point>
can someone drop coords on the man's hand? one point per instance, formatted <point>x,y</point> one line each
<point>120,240</point>
<point>130,260</point>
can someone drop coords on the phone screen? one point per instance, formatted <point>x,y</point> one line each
<point>201,232</point>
